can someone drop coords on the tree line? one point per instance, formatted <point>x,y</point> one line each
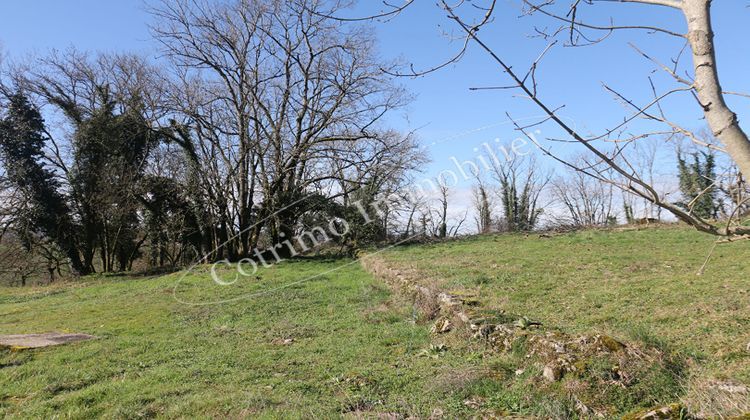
<point>262,119</point>
<point>518,195</point>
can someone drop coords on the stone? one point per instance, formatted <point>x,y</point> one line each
<point>610,343</point>
<point>485,331</point>
<point>474,402</point>
<point>446,299</point>
<point>524,323</point>
<point>441,326</point>
<point>732,388</point>
<point>283,341</point>
<point>552,373</point>
<point>581,407</point>
<point>33,341</point>
<point>667,412</point>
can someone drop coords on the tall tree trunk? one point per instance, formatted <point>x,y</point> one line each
<point>76,265</point>
<point>720,118</point>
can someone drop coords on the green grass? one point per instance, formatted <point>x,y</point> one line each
<point>355,347</point>
<point>638,285</point>
<point>359,348</point>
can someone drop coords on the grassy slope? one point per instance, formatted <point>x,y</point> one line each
<point>358,347</point>
<point>633,285</point>
<point>354,347</point>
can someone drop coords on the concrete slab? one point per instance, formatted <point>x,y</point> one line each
<point>33,341</point>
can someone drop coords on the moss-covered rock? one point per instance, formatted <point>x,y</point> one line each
<point>668,412</point>
<point>610,343</point>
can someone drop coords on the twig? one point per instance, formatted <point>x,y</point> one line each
<point>708,257</point>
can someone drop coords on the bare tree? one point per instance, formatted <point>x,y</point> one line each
<point>442,224</point>
<point>271,111</point>
<point>644,160</point>
<point>561,22</point>
<point>442,230</point>
<point>736,190</point>
<point>483,207</point>
<point>588,201</point>
<point>284,103</point>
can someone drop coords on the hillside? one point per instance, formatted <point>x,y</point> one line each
<point>638,286</point>
<point>649,332</point>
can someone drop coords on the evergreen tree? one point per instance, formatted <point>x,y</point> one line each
<point>47,213</point>
<point>697,184</point>
<point>629,215</point>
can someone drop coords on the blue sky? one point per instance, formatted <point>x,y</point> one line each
<point>445,111</point>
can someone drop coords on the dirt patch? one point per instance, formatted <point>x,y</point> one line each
<point>33,341</point>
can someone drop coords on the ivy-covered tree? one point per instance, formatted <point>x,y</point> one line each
<point>46,213</point>
<point>110,152</point>
<point>172,228</point>
<point>520,188</point>
<point>697,184</point>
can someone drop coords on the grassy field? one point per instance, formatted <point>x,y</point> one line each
<point>342,343</point>
<point>636,285</point>
<point>339,343</point>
